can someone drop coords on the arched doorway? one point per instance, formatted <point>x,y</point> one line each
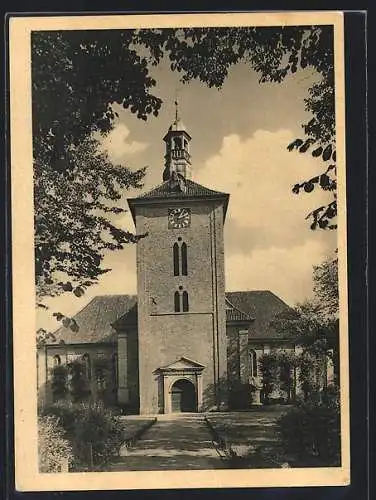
<point>183,397</point>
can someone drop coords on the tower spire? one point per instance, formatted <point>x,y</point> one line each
<point>177,157</point>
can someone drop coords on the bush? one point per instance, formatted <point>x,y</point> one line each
<point>310,435</point>
<point>59,382</point>
<point>55,451</point>
<point>79,385</point>
<point>95,432</point>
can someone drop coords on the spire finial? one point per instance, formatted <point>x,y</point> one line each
<point>176,106</point>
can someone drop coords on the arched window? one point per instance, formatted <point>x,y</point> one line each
<point>175,252</point>
<point>184,261</point>
<point>253,363</point>
<point>86,359</point>
<point>177,302</point>
<point>185,301</point>
<point>57,360</point>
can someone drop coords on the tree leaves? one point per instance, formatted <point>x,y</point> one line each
<point>327,153</point>
<point>67,321</point>
<point>322,216</point>
<point>78,291</point>
<point>295,144</point>
<point>72,227</point>
<point>317,152</point>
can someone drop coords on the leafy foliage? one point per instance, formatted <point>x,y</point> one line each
<point>277,373</point>
<point>59,379</point>
<point>103,369</point>
<point>43,337</point>
<point>72,228</point>
<point>54,450</point>
<point>76,78</point>
<point>93,430</point>
<point>325,279</point>
<point>314,326</point>
<point>310,435</point>
<point>79,384</point>
<point>77,75</point>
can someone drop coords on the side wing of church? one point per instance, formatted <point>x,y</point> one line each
<point>183,344</point>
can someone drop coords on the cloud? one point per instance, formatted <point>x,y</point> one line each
<point>260,173</point>
<point>121,280</point>
<point>269,244</point>
<point>285,271</point>
<point>117,145</point>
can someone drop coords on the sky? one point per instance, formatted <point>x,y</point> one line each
<point>239,138</point>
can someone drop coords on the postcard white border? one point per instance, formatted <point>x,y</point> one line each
<point>24,318</point>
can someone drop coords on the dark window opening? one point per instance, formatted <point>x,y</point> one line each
<point>177,302</point>
<point>176,259</point>
<point>185,301</point>
<point>184,260</point>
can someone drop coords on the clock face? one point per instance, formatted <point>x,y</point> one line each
<point>179,218</point>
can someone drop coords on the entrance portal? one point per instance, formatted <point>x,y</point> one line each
<point>183,397</point>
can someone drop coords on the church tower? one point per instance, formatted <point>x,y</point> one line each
<point>181,287</point>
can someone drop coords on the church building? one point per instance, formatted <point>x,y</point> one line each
<point>183,344</point>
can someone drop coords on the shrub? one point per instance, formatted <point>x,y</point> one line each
<point>100,432</point>
<point>79,385</point>
<point>55,451</point>
<point>277,373</point>
<point>66,412</point>
<point>310,434</point>
<point>95,432</point>
<point>59,382</point>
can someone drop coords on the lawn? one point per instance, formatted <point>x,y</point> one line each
<point>251,435</point>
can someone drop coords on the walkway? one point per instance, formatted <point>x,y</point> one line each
<point>175,443</point>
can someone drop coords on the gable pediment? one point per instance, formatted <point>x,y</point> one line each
<point>183,363</point>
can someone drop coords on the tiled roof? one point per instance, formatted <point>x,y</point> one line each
<point>193,190</point>
<point>96,318</point>
<point>234,314</point>
<point>263,305</point>
<point>127,319</point>
<point>99,317</point>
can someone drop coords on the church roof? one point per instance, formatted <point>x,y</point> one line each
<point>235,315</point>
<point>95,320</point>
<point>193,190</point>
<point>263,306</point>
<point>99,318</point>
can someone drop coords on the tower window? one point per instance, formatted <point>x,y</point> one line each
<point>184,261</point>
<point>185,301</point>
<point>180,259</point>
<point>177,302</point>
<point>176,259</point>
